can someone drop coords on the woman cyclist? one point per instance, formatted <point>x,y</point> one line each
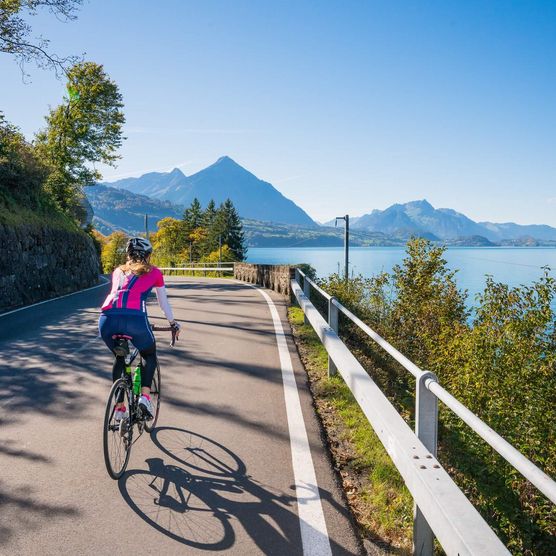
<point>124,312</point>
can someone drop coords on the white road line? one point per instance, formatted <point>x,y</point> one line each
<point>55,298</point>
<point>314,534</point>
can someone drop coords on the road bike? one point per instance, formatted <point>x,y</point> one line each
<point>118,435</point>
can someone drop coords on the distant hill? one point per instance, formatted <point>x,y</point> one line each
<point>421,218</point>
<point>224,179</point>
<point>118,209</point>
<point>278,221</point>
<point>509,230</point>
<point>270,234</point>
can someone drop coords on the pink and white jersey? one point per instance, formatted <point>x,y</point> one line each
<point>130,291</point>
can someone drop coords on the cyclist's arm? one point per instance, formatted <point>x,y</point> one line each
<point>116,280</point>
<point>163,303</point>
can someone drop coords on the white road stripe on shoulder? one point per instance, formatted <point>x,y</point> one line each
<point>55,298</point>
<point>314,534</point>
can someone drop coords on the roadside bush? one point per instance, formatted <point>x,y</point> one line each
<point>501,364</point>
<point>225,255</point>
<point>21,173</point>
<point>503,367</point>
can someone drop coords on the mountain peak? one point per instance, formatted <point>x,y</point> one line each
<point>225,178</point>
<point>422,203</point>
<point>226,160</point>
<point>226,165</point>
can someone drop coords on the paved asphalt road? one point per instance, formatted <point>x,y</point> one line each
<point>216,475</point>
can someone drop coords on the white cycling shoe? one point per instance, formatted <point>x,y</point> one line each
<point>120,413</point>
<point>146,406</point>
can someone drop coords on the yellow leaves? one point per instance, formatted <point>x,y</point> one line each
<point>224,255</point>
<point>113,251</point>
<point>198,234</point>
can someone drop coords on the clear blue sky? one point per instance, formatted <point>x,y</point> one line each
<point>344,106</point>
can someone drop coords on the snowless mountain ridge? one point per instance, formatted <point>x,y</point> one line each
<point>253,198</point>
<point>421,218</point>
<point>260,200</point>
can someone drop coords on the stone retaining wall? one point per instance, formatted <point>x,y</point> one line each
<point>38,262</point>
<point>274,277</point>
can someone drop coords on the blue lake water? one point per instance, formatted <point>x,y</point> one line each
<point>513,266</point>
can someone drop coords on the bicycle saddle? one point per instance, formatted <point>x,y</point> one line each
<point>121,345</point>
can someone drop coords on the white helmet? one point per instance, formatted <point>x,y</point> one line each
<point>139,247</point>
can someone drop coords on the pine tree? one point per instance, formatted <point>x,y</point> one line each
<point>230,229</point>
<point>193,216</point>
<point>210,242</point>
<point>209,215</point>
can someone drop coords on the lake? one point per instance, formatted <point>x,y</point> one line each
<point>511,265</point>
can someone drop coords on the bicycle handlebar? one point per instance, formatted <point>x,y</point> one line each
<point>156,328</point>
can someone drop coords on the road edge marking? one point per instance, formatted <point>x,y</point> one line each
<point>55,298</point>
<point>314,533</point>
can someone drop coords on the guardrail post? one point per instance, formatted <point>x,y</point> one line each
<point>307,292</point>
<point>333,323</point>
<point>426,429</point>
<point>296,278</point>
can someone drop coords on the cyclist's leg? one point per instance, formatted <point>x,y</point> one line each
<point>118,367</point>
<point>108,326</point>
<point>149,357</point>
<point>143,340</point>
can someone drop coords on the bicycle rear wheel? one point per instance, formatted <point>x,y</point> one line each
<point>155,399</point>
<point>117,436</point>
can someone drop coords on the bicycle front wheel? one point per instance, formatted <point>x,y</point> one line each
<point>117,435</point>
<point>155,399</point>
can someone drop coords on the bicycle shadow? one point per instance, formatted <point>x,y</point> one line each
<point>202,497</point>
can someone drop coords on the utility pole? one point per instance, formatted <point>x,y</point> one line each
<point>147,226</point>
<point>346,243</point>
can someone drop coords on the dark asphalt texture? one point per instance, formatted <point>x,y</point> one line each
<point>216,474</point>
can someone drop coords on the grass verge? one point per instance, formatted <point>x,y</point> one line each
<point>376,493</point>
<point>42,213</point>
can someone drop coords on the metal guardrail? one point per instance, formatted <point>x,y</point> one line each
<point>441,509</point>
<point>203,268</point>
<point>212,265</point>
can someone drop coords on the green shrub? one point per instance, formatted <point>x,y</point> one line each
<point>501,364</point>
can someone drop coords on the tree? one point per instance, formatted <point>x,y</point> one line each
<point>21,174</point>
<point>224,255</point>
<point>210,214</point>
<point>113,251</point>
<point>169,242</point>
<point>193,215</point>
<point>428,305</point>
<point>15,31</point>
<point>211,241</point>
<point>230,229</point>
<point>197,243</point>
<point>84,130</point>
